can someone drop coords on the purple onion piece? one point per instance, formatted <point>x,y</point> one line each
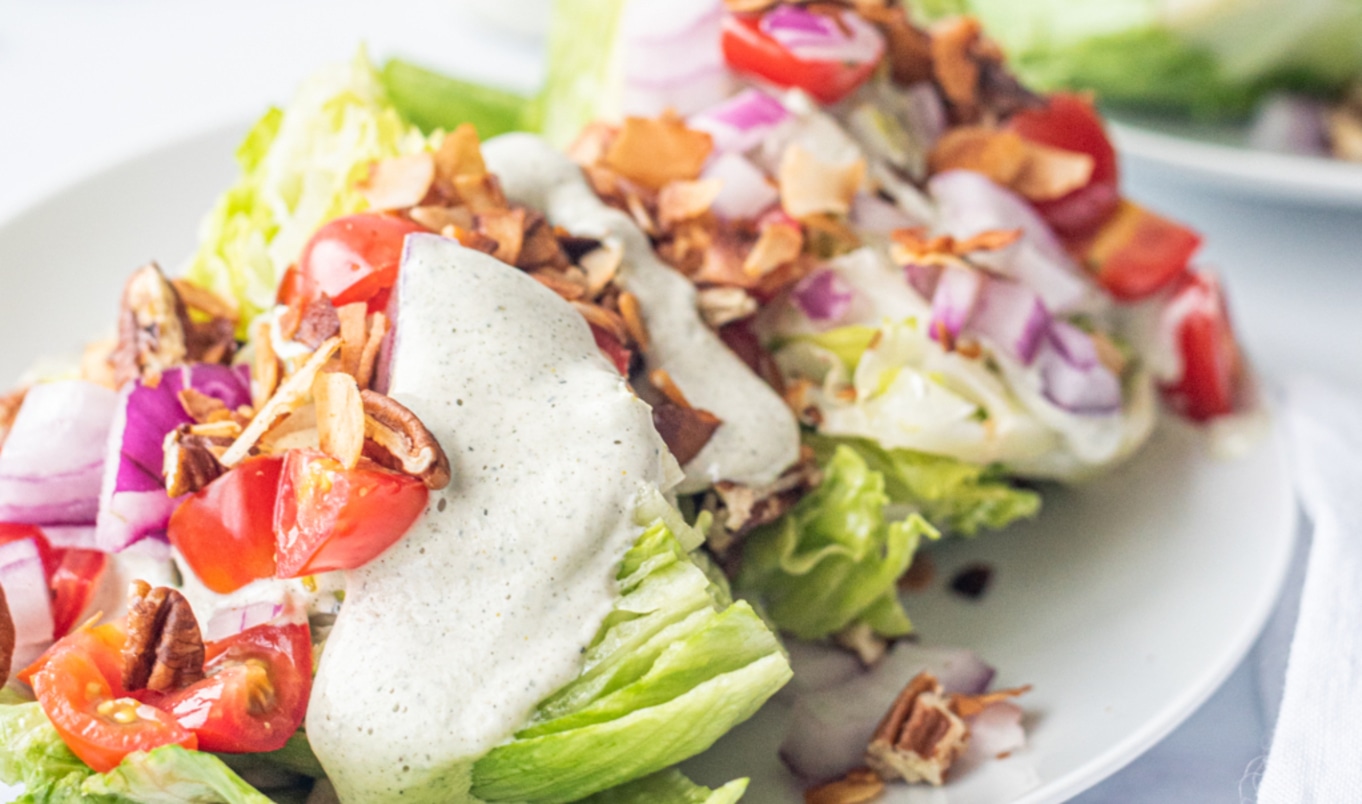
<point>71,537</point>
<point>1012,316</point>
<point>1074,345</point>
<point>957,294</point>
<point>741,122</point>
<point>745,192</point>
<point>823,296</point>
<point>817,37</point>
<point>26,592</point>
<point>923,278</point>
<point>1091,390</point>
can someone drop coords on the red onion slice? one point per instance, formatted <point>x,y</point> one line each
<point>71,537</point>
<point>923,278</point>
<point>823,296</point>
<point>52,461</point>
<point>745,193</point>
<point>670,56</point>
<point>1073,344</point>
<point>1012,316</point>
<point>27,593</point>
<point>1091,390</point>
<point>849,39</point>
<point>957,294</point>
<point>742,122</point>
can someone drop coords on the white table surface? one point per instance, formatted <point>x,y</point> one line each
<point>85,83</point>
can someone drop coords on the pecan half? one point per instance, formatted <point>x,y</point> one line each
<point>151,331</point>
<point>7,637</point>
<point>191,460</point>
<point>164,651</point>
<point>920,737</point>
<point>398,440</point>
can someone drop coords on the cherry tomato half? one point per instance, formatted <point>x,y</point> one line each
<point>1070,122</point>
<point>1212,367</point>
<point>97,723</point>
<point>74,583</point>
<point>355,259</point>
<point>1137,253</point>
<point>225,531</point>
<point>255,694</point>
<point>747,49</point>
<point>328,517</point>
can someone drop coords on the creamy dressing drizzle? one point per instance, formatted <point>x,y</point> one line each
<point>759,437</point>
<point>448,641</point>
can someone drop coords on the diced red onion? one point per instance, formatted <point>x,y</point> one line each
<point>818,37</point>
<point>741,122</point>
<point>996,730</point>
<point>969,203</point>
<point>234,620</point>
<point>26,592</point>
<point>1092,390</point>
<point>823,296</point>
<point>670,56</point>
<point>1012,316</point>
<point>52,461</point>
<point>1073,344</point>
<point>870,213</point>
<point>133,499</point>
<point>1290,124</point>
<point>830,728</point>
<point>745,193</point>
<point>66,537</point>
<point>957,294</point>
<point>923,278</point>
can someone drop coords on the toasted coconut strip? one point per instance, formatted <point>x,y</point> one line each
<point>683,200</point>
<point>480,193</point>
<point>1000,155</point>
<point>856,787</point>
<point>685,430</point>
<point>319,322</point>
<point>638,210</point>
<point>460,154</point>
<point>655,151</point>
<point>398,182</point>
<point>353,334</point>
<point>968,706</point>
<point>1052,173</point>
<point>607,320</point>
<point>436,218</point>
<point>291,395</point>
<point>957,73</point>
<point>809,186</point>
<point>920,737</point>
<point>601,265</point>
<point>720,306</point>
<point>264,366</point>
<point>916,245</point>
<point>368,357</point>
<point>203,408</point>
<point>203,300</point>
<point>340,417</point>
<point>748,6</point>
<point>227,428</point>
<point>571,287</point>
<point>405,443</point>
<point>507,228</point>
<point>296,430</point>
<point>777,244</point>
<point>633,320</point>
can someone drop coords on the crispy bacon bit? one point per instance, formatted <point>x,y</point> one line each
<point>291,395</point>
<point>353,333</point>
<point>507,228</point>
<point>151,327</point>
<point>399,182</point>
<point>399,441</point>
<point>920,737</point>
<point>212,341</point>
<point>633,320</point>
<point>340,417</point>
<point>459,154</point>
<point>9,408</point>
<point>541,247</point>
<point>190,460</point>
<point>201,407</point>
<point>7,639</point>
<point>318,323</point>
<point>685,200</point>
<point>856,787</point>
<point>164,650</point>
<point>685,430</point>
<point>368,356</point>
<point>436,218</point>
<point>777,244</point>
<point>655,151</point>
<point>264,366</point>
<point>809,186</point>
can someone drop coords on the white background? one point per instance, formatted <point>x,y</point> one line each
<point>86,83</point>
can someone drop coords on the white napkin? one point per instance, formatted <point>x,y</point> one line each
<point>1316,753</point>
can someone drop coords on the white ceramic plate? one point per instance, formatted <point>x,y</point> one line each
<point>1125,604</point>
<point>1217,156</point>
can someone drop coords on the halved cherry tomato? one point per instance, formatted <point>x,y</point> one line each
<point>292,287</point>
<point>1212,367</point>
<point>748,50</point>
<point>1070,122</point>
<point>328,517</point>
<point>1137,253</point>
<point>97,723</point>
<point>355,258</point>
<point>74,583</point>
<point>102,644</point>
<point>611,347</point>
<point>255,694</point>
<point>225,531</point>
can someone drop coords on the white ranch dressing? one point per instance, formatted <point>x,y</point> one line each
<point>448,641</point>
<point>759,438</point>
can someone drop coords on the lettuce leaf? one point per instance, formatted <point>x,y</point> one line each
<point>33,756</point>
<point>581,55</point>
<point>438,102</point>
<point>668,787</point>
<point>670,671</point>
<point>955,496</point>
<point>299,168</point>
<point>833,561</point>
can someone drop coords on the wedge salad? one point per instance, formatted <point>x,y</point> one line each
<point>523,468</point>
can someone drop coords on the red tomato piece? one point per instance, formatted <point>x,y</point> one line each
<point>292,288</point>
<point>1070,122</point>
<point>611,347</point>
<point>328,517</point>
<point>256,690</point>
<point>748,50</point>
<point>1137,253</point>
<point>102,644</point>
<point>99,725</point>
<point>73,584</point>
<point>355,258</point>
<point>10,532</point>
<point>225,531</point>
<point>1212,367</point>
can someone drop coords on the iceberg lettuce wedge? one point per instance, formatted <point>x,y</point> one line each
<point>669,787</point>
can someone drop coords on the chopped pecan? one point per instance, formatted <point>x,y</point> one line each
<point>743,508</point>
<point>191,460</point>
<point>7,638</point>
<point>164,649</point>
<point>400,441</point>
<point>151,327</point>
<point>920,737</point>
<point>9,408</point>
<point>318,323</point>
<point>856,787</point>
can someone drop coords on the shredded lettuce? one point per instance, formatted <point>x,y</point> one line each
<point>957,497</point>
<point>299,169</point>
<point>833,561</point>
<point>670,671</point>
<point>581,55</point>
<point>33,756</point>
<point>669,787</point>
